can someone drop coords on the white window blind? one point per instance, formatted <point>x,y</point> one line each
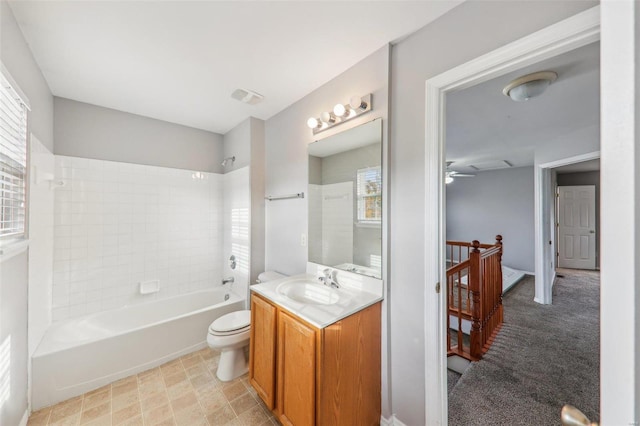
<point>369,193</point>
<point>13,161</point>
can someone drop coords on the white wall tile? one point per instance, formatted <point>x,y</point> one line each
<point>116,224</point>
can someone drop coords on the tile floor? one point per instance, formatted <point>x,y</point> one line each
<point>184,391</point>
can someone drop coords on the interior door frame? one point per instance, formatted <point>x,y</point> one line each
<point>564,36</point>
<point>544,194</point>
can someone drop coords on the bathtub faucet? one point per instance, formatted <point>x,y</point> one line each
<point>228,280</point>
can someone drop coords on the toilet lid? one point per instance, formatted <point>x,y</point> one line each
<point>234,321</point>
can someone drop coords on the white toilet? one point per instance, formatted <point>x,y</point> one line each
<point>230,335</point>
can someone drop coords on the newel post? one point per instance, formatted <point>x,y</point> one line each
<point>476,311</point>
<point>500,309</point>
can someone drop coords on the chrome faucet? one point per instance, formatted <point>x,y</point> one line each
<point>228,280</point>
<point>329,278</point>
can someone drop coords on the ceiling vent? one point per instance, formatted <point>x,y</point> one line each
<point>491,165</point>
<point>247,96</point>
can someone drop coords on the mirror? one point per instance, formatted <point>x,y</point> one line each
<point>345,200</point>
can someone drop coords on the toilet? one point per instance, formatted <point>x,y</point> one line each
<point>230,335</point>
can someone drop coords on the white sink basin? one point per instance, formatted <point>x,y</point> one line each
<point>304,291</point>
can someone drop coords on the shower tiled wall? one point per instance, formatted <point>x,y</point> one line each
<point>117,224</point>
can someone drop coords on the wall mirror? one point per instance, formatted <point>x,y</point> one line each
<point>345,200</point>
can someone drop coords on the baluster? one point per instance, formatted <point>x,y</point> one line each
<point>474,287</point>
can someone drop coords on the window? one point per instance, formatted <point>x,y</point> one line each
<point>13,161</point>
<point>369,194</point>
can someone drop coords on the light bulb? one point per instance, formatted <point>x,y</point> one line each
<point>328,117</point>
<point>357,103</point>
<point>448,180</point>
<point>339,110</point>
<point>313,123</point>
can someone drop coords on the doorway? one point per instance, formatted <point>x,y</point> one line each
<point>565,36</point>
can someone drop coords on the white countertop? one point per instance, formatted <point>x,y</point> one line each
<point>356,293</point>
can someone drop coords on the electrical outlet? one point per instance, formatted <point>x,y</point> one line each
<point>303,240</point>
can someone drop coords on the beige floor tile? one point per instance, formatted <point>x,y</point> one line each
<point>253,417</point>
<point>179,389</point>
<point>157,414</point>
<point>191,361</point>
<point>154,401</point>
<point>190,416</point>
<point>243,403</point>
<point>93,413</point>
<point>207,353</point>
<point>125,381</point>
<point>212,401</point>
<point>125,414</point>
<point>100,421</point>
<point>166,422</point>
<point>202,380</point>
<point>185,401</point>
<point>172,367</point>
<point>232,390</point>
<point>171,380</point>
<point>72,420</point>
<point>135,421</point>
<point>123,388</point>
<point>39,419</point>
<point>126,400</point>
<point>99,390</point>
<point>212,364</point>
<point>221,416</point>
<point>153,372</point>
<point>66,409</point>
<point>197,370</point>
<point>95,398</point>
<point>150,388</point>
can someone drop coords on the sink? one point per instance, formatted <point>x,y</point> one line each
<point>304,291</point>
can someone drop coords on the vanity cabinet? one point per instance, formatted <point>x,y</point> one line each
<point>316,376</point>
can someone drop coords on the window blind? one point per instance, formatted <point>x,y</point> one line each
<point>369,193</point>
<point>13,161</point>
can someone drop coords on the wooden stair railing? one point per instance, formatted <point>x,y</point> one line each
<point>474,292</point>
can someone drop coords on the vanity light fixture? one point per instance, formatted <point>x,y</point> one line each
<point>529,86</point>
<point>226,160</point>
<point>341,112</point>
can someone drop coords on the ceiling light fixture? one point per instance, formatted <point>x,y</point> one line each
<point>529,86</point>
<point>341,112</point>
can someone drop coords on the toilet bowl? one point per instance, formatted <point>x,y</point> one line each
<point>230,335</point>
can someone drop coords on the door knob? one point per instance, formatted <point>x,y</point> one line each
<point>571,416</point>
<point>591,231</point>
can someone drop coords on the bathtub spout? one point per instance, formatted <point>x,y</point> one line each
<point>228,280</point>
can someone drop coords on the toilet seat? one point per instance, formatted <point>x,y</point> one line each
<point>231,323</point>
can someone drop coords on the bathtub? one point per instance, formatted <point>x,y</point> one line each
<point>83,354</point>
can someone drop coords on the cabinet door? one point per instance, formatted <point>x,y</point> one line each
<point>262,352</point>
<point>296,371</point>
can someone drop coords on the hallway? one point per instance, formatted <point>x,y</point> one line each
<point>545,356</point>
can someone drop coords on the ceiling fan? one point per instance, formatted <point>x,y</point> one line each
<point>451,174</point>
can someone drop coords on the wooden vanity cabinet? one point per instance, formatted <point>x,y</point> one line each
<point>311,376</point>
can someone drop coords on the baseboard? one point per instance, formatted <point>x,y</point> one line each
<point>529,272</point>
<point>391,421</point>
<point>25,418</point>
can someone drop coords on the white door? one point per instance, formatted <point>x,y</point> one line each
<point>577,227</point>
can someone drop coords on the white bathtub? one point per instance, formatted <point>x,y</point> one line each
<point>83,354</point>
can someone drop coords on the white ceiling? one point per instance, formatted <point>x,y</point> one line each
<point>484,125</point>
<point>180,61</point>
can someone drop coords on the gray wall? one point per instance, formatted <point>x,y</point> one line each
<point>19,62</point>
<point>89,131</point>
<point>585,178</point>
<point>237,143</point>
<point>468,31</point>
<point>257,199</point>
<point>495,202</point>
<point>286,139</point>
<point>13,336</point>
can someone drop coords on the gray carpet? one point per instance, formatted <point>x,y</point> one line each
<point>544,356</point>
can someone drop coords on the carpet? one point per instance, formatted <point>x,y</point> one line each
<point>544,356</point>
